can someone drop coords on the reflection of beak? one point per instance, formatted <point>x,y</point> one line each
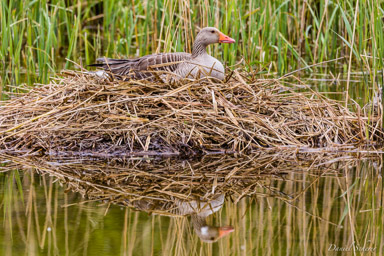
<point>225,39</point>
<point>223,231</point>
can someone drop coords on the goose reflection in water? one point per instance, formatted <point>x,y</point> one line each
<point>199,210</point>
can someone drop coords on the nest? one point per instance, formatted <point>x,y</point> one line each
<point>82,115</point>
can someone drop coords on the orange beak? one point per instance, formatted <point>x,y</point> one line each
<point>223,231</point>
<point>225,39</point>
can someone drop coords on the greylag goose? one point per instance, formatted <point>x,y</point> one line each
<point>178,64</point>
<point>198,210</point>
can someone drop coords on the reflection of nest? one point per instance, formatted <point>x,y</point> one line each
<point>80,115</point>
<point>160,183</point>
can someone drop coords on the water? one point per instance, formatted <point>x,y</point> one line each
<point>315,206</point>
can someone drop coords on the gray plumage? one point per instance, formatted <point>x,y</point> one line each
<point>173,65</point>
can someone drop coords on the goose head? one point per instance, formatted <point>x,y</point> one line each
<point>210,234</point>
<point>210,35</point>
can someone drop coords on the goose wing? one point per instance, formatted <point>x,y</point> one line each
<point>140,68</point>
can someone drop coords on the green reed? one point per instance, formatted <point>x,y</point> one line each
<point>273,36</point>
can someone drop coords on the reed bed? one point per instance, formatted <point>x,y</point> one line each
<point>82,115</point>
<point>273,36</point>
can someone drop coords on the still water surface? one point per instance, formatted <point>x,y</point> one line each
<point>297,207</point>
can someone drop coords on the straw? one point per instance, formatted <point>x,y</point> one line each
<point>82,115</point>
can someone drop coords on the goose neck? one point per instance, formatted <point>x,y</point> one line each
<point>198,221</point>
<point>199,48</point>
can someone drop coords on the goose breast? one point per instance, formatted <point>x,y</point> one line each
<point>201,66</point>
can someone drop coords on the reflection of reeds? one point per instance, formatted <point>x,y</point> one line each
<point>169,179</point>
<point>81,115</point>
<point>338,203</point>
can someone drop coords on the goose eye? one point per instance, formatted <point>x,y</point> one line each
<point>213,31</point>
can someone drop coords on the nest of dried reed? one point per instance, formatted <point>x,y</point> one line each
<point>78,114</point>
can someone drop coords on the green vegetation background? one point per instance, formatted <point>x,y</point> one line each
<point>273,36</point>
